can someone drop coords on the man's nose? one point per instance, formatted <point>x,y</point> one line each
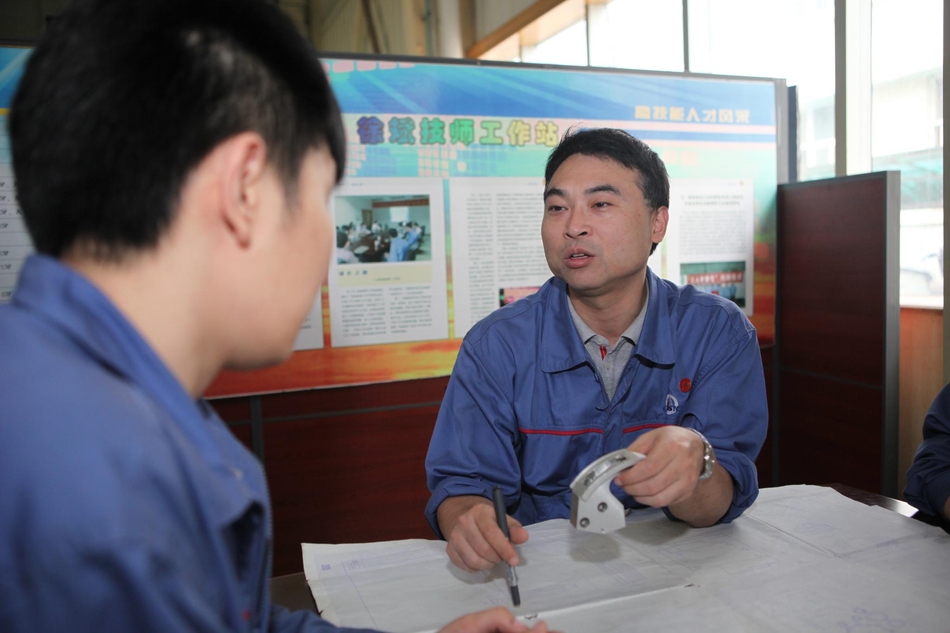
<point>577,224</point>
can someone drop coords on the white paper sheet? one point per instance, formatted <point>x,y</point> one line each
<point>803,558</point>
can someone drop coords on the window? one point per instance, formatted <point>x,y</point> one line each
<point>568,47</point>
<point>640,34</point>
<point>792,39</point>
<point>557,37</point>
<point>907,134</point>
<point>637,34</point>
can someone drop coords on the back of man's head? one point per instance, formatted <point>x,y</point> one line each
<point>341,239</point>
<point>621,147</point>
<point>122,99</point>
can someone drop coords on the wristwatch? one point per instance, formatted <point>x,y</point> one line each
<point>709,457</point>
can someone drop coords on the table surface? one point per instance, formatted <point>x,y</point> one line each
<point>874,499</point>
<point>291,590</point>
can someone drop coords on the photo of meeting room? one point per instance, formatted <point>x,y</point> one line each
<point>726,279</point>
<point>510,295</point>
<point>382,229</point>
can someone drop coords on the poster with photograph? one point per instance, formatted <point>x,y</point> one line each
<point>437,220</point>
<point>496,229</point>
<point>387,278</point>
<point>711,240</point>
<point>15,243</point>
<point>726,279</point>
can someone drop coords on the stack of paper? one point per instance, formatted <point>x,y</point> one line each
<point>803,558</point>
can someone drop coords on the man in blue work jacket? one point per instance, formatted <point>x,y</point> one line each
<point>604,356</point>
<point>173,160</point>
<point>928,479</point>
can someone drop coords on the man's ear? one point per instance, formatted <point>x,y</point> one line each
<point>661,219</point>
<point>244,165</point>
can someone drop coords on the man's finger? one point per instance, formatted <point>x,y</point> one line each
<point>472,549</point>
<point>497,540</point>
<point>519,535</point>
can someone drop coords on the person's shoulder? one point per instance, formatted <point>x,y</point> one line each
<point>66,416</point>
<point>85,460</point>
<point>689,295</point>
<point>937,421</point>
<point>517,317</point>
<point>42,371</point>
<point>690,305</point>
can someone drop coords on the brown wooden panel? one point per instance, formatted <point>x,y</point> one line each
<point>837,325</point>
<point>830,432</point>
<point>233,409</point>
<point>832,266</point>
<point>236,410</point>
<point>347,479</point>
<point>349,398</point>
<point>243,433</point>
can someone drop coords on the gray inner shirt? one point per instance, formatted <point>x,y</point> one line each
<point>610,365</point>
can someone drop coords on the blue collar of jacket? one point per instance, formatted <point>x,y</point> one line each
<point>53,292</point>
<point>656,344</point>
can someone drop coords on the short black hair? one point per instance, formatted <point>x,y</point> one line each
<point>341,239</point>
<point>623,148</point>
<point>122,99</point>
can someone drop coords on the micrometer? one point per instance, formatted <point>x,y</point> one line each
<point>593,507</point>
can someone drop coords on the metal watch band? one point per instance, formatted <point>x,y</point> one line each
<point>709,457</point>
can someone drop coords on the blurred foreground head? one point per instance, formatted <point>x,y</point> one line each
<point>122,99</point>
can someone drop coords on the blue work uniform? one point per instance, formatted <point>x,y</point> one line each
<point>526,409</point>
<point>125,504</point>
<point>928,479</point>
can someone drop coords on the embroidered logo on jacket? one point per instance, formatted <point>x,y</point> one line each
<point>672,404</point>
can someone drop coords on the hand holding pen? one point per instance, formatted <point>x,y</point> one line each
<point>475,542</point>
<point>501,515</point>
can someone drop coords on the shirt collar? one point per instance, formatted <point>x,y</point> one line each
<point>655,343</point>
<point>68,301</point>
<point>562,347</point>
<point>632,333</point>
<point>71,303</point>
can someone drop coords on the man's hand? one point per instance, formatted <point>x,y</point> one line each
<point>475,542</point>
<point>669,477</point>
<point>497,620</point>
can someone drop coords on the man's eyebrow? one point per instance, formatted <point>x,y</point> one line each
<point>602,188</point>
<point>605,188</point>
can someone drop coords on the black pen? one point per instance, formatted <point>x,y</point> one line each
<point>502,515</point>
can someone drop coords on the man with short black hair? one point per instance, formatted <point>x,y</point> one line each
<point>174,160</point>
<point>604,356</point>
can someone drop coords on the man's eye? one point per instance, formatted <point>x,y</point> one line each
<point>552,208</point>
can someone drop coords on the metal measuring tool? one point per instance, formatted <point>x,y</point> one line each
<point>593,507</point>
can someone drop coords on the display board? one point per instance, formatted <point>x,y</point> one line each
<point>438,217</point>
<point>15,244</point>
